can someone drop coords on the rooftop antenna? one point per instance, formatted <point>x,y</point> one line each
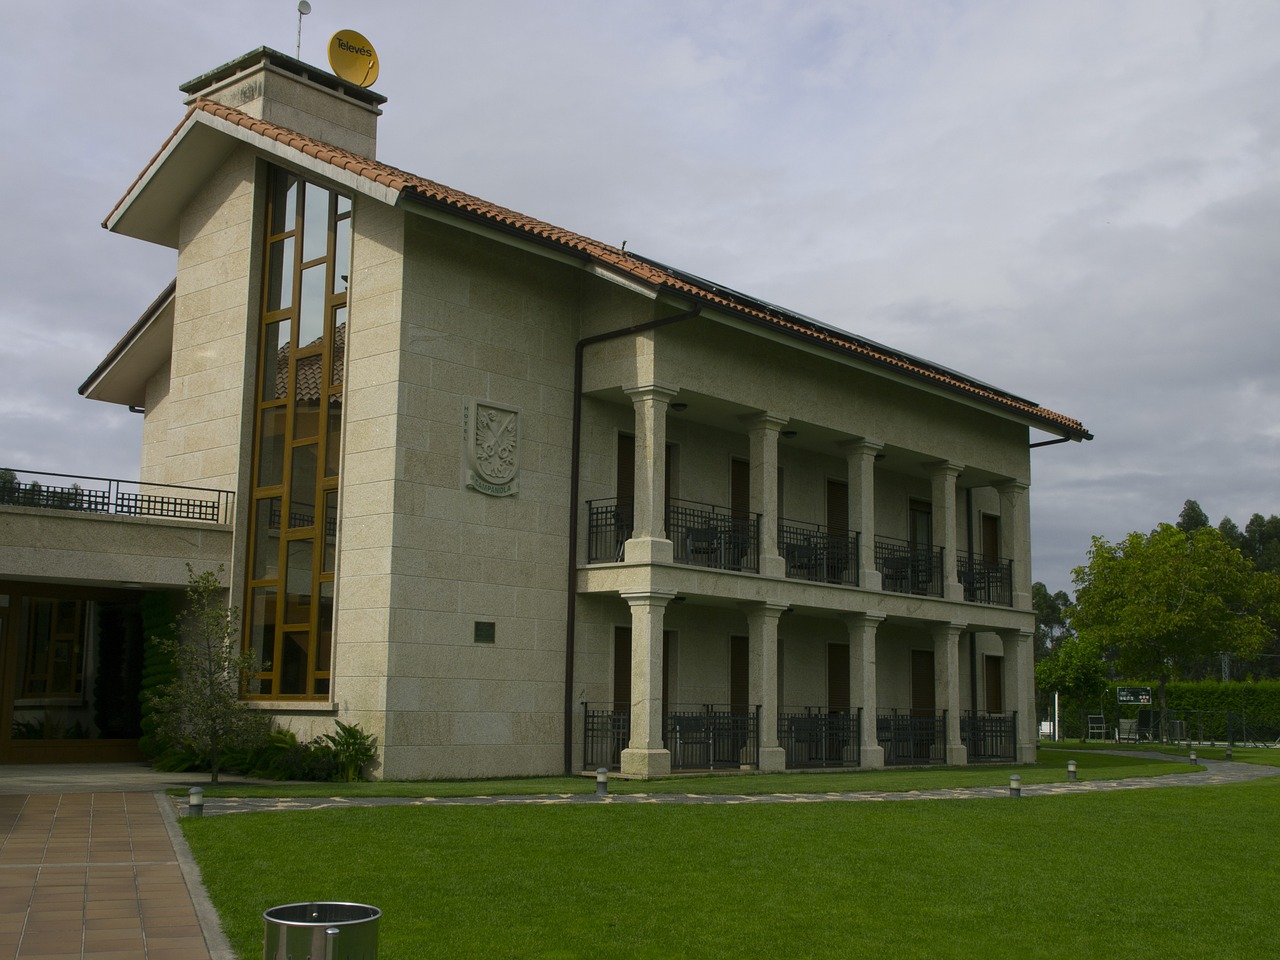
<point>303,9</point>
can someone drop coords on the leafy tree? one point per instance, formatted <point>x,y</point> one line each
<point>201,707</point>
<point>1051,618</point>
<point>1192,518</point>
<point>1077,670</point>
<point>1261,542</point>
<point>1161,602</point>
<point>1231,533</point>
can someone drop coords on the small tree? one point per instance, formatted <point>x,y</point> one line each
<point>1076,670</point>
<point>201,707</point>
<point>1051,618</point>
<point>1162,602</point>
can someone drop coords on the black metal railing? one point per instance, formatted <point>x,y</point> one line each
<point>990,737</point>
<point>609,525</point>
<point>813,737</point>
<point>911,737</point>
<point>986,581</point>
<point>607,731</point>
<point>908,567</point>
<point>814,553</point>
<point>712,737</point>
<point>706,535</point>
<point>121,497</point>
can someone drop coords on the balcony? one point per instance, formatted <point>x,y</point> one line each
<point>909,567</point>
<point>100,495</point>
<point>706,535</point>
<point>986,581</point>
<point>703,534</point>
<point>814,553</point>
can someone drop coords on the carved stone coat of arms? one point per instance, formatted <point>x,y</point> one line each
<point>491,434</point>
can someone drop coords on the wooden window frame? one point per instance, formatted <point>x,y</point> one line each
<point>295,635</point>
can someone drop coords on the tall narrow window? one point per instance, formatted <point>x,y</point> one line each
<point>294,523</point>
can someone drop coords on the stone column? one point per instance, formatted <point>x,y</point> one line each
<point>762,632</point>
<point>649,542</point>
<point>764,428</point>
<point>645,756</point>
<point>1015,538</point>
<point>1020,689</point>
<point>943,475</point>
<point>862,681</point>
<point>946,656</point>
<point>860,456</point>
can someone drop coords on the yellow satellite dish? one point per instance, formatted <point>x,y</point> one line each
<point>353,58</point>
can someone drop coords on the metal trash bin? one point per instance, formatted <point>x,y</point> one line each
<point>321,931</point>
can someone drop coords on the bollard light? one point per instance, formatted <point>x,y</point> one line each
<point>1193,756</point>
<point>195,802</point>
<point>1071,769</point>
<point>602,782</point>
<point>1015,786</point>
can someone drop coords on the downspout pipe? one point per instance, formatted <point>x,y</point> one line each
<point>571,578</point>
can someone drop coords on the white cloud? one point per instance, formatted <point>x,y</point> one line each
<point>1074,201</point>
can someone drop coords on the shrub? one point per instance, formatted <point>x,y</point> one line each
<point>353,749</point>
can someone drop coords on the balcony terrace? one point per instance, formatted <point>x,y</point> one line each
<point>101,495</point>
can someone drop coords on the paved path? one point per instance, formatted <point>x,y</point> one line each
<point>1216,772</point>
<point>93,864</point>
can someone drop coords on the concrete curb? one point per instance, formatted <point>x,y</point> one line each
<point>210,925</point>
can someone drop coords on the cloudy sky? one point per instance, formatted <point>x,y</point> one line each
<point>1079,202</point>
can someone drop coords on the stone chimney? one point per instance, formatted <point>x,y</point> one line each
<point>279,89</point>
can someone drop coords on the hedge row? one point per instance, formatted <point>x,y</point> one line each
<point>1208,704</point>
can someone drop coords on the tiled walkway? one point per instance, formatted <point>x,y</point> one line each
<point>93,875</point>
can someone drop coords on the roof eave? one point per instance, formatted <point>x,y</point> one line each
<point>122,375</point>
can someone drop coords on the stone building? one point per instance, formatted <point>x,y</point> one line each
<point>513,500</point>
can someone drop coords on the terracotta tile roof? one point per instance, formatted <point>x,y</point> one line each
<point>646,271</point>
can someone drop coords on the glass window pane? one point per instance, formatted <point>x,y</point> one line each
<point>309,388</point>
<point>330,531</point>
<point>284,202</point>
<point>302,487</point>
<point>275,364</point>
<point>333,436</point>
<point>315,223</point>
<point>262,627</point>
<point>344,204</point>
<point>324,642</point>
<point>311,313</point>
<point>266,540</point>
<point>280,275</point>
<point>293,663</point>
<point>341,255</point>
<point>339,350</point>
<point>271,447</point>
<point>297,607</point>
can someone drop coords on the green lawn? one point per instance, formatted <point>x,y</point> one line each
<point>1176,873</point>
<point>1052,767</point>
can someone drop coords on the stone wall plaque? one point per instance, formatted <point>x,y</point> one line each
<point>491,440</point>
